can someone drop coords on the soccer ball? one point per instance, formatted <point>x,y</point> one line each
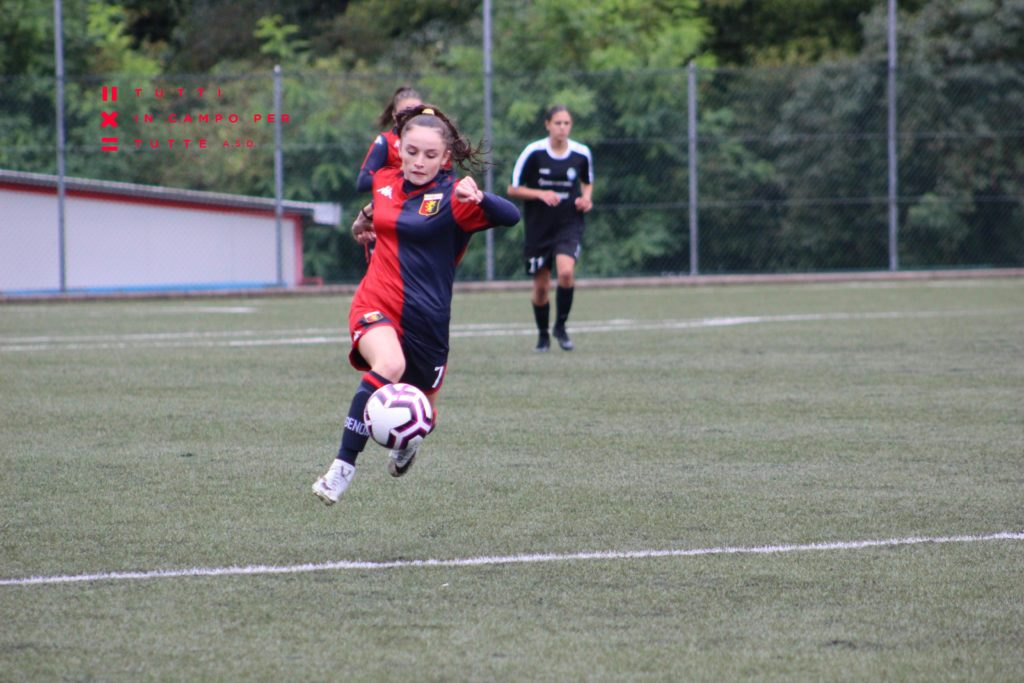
<point>398,416</point>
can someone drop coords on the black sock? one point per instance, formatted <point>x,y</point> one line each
<point>563,304</point>
<point>355,434</point>
<point>542,315</point>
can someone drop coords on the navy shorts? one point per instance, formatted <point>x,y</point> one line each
<point>425,365</point>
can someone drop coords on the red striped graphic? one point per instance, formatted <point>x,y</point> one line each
<point>374,380</point>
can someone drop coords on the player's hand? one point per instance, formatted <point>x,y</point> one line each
<point>362,229</point>
<point>467,191</point>
<point>550,197</point>
<point>583,204</point>
<point>366,237</point>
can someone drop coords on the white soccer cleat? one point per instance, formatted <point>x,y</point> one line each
<point>329,487</point>
<point>399,461</point>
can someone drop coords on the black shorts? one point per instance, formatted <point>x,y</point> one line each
<point>541,254</point>
<point>425,365</point>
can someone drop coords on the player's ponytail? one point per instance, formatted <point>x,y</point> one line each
<point>464,154</point>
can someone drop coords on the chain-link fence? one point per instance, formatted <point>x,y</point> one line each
<point>791,164</point>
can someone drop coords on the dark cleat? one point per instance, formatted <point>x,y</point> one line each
<point>563,339</point>
<point>399,461</point>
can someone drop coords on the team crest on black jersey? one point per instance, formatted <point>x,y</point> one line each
<point>431,204</point>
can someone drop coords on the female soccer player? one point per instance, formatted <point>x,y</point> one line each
<point>555,179</point>
<point>422,220</point>
<point>383,153</point>
<point>384,149</point>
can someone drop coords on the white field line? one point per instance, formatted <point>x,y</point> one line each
<point>355,565</point>
<point>205,309</point>
<point>317,336</point>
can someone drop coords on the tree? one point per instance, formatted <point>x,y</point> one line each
<point>960,161</point>
<point>788,32</point>
<point>800,125</point>
<point>620,68</point>
<point>962,83</point>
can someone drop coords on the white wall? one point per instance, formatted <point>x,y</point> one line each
<point>29,256</point>
<point>116,243</point>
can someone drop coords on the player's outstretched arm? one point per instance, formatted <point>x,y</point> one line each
<point>499,211</point>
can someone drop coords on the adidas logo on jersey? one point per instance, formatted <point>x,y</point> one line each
<point>386,191</point>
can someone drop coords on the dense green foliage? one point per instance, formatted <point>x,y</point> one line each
<point>791,98</point>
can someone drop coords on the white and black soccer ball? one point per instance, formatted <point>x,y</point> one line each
<point>398,415</point>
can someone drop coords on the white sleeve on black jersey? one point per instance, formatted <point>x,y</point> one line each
<point>517,172</point>
<point>582,149</point>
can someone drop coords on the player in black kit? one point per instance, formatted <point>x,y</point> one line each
<point>554,177</point>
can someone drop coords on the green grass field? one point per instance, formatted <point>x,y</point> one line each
<point>139,436</point>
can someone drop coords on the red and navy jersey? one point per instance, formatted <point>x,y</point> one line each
<point>422,234</point>
<point>383,153</point>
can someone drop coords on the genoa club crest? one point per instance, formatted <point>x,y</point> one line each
<point>431,204</point>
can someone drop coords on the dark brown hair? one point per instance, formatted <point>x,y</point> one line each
<point>464,154</point>
<point>404,92</point>
<point>554,110</point>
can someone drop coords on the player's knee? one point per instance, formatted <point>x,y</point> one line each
<point>541,290</point>
<point>566,279</point>
<point>392,367</point>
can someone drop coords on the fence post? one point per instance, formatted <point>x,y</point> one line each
<point>58,49</point>
<point>278,175</point>
<point>488,134</point>
<point>691,134</point>
<point>893,162</point>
